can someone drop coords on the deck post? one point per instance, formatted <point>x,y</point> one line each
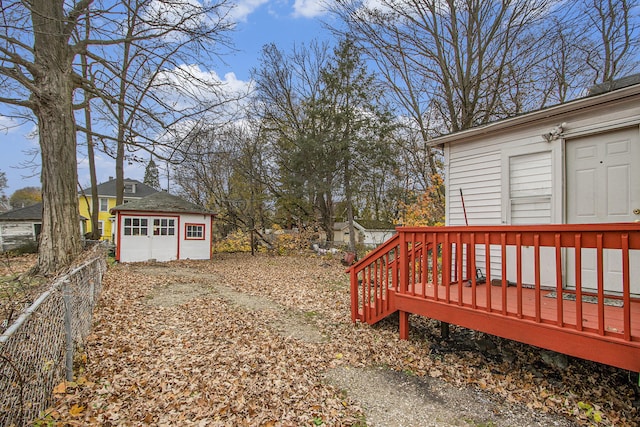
<point>444,330</point>
<point>404,325</point>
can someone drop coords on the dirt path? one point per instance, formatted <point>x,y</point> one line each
<point>268,341</point>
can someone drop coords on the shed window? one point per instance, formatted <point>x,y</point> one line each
<point>164,227</point>
<point>135,226</point>
<point>194,231</point>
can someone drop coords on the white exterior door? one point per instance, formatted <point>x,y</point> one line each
<point>603,185</point>
<point>163,239</point>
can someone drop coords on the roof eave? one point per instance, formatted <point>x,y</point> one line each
<point>539,115</point>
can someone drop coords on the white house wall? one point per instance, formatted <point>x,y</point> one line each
<point>195,249</point>
<point>482,165</point>
<point>16,234</point>
<point>374,238</point>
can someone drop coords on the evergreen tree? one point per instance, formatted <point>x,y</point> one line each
<point>151,175</point>
<point>357,127</point>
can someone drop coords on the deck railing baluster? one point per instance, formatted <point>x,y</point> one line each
<point>626,287</point>
<point>536,256</point>
<point>559,286</point>
<point>424,261</point>
<point>459,265</point>
<point>472,262</point>
<point>446,268</point>
<point>578,274</point>
<point>600,263</point>
<point>412,263</point>
<point>503,247</point>
<point>376,289</point>
<point>487,267</point>
<point>519,274</point>
<point>434,266</point>
<point>368,279</point>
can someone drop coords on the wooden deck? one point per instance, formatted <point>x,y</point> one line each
<point>408,274</point>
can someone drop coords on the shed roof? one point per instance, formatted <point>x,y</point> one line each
<point>365,225</point>
<point>161,202</point>
<point>372,224</point>
<point>28,213</point>
<point>108,189</point>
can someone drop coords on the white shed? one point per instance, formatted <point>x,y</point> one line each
<point>370,233</point>
<point>162,227</point>
<point>577,162</point>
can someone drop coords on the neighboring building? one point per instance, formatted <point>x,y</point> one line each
<point>133,190</point>
<point>22,226</point>
<point>370,233</point>
<point>577,162</point>
<point>162,227</point>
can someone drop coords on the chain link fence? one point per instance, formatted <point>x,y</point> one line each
<point>36,351</point>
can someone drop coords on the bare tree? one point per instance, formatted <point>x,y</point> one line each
<point>285,85</point>
<point>222,172</point>
<point>147,84</point>
<point>36,68</point>
<point>40,41</point>
<point>449,65</point>
<point>612,35</point>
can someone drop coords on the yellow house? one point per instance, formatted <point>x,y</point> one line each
<point>133,190</point>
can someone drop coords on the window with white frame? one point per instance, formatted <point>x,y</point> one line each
<point>136,226</point>
<point>100,228</point>
<point>164,227</point>
<point>129,187</point>
<point>194,231</point>
<point>104,204</point>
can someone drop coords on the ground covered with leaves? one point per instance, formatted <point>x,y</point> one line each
<point>17,288</point>
<point>268,341</point>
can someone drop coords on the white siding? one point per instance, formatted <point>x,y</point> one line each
<point>478,176</point>
<point>195,249</point>
<point>16,234</point>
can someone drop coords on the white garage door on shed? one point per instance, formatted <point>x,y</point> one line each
<point>148,238</point>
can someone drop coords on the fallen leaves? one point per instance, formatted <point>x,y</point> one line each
<point>215,343</point>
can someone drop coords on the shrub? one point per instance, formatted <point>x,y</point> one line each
<point>238,241</point>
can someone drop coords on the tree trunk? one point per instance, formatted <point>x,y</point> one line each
<point>95,203</point>
<point>52,98</point>
<point>347,193</point>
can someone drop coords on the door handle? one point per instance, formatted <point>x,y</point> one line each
<point>636,211</point>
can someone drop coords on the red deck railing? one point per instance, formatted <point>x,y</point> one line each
<point>571,288</point>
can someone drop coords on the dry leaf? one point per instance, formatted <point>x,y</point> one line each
<point>76,410</point>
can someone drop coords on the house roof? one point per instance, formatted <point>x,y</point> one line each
<point>615,84</point>
<point>108,189</point>
<point>365,225</point>
<point>372,224</point>
<point>161,202</point>
<point>623,89</point>
<point>28,213</point>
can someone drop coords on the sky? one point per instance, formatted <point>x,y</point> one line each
<point>283,22</point>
